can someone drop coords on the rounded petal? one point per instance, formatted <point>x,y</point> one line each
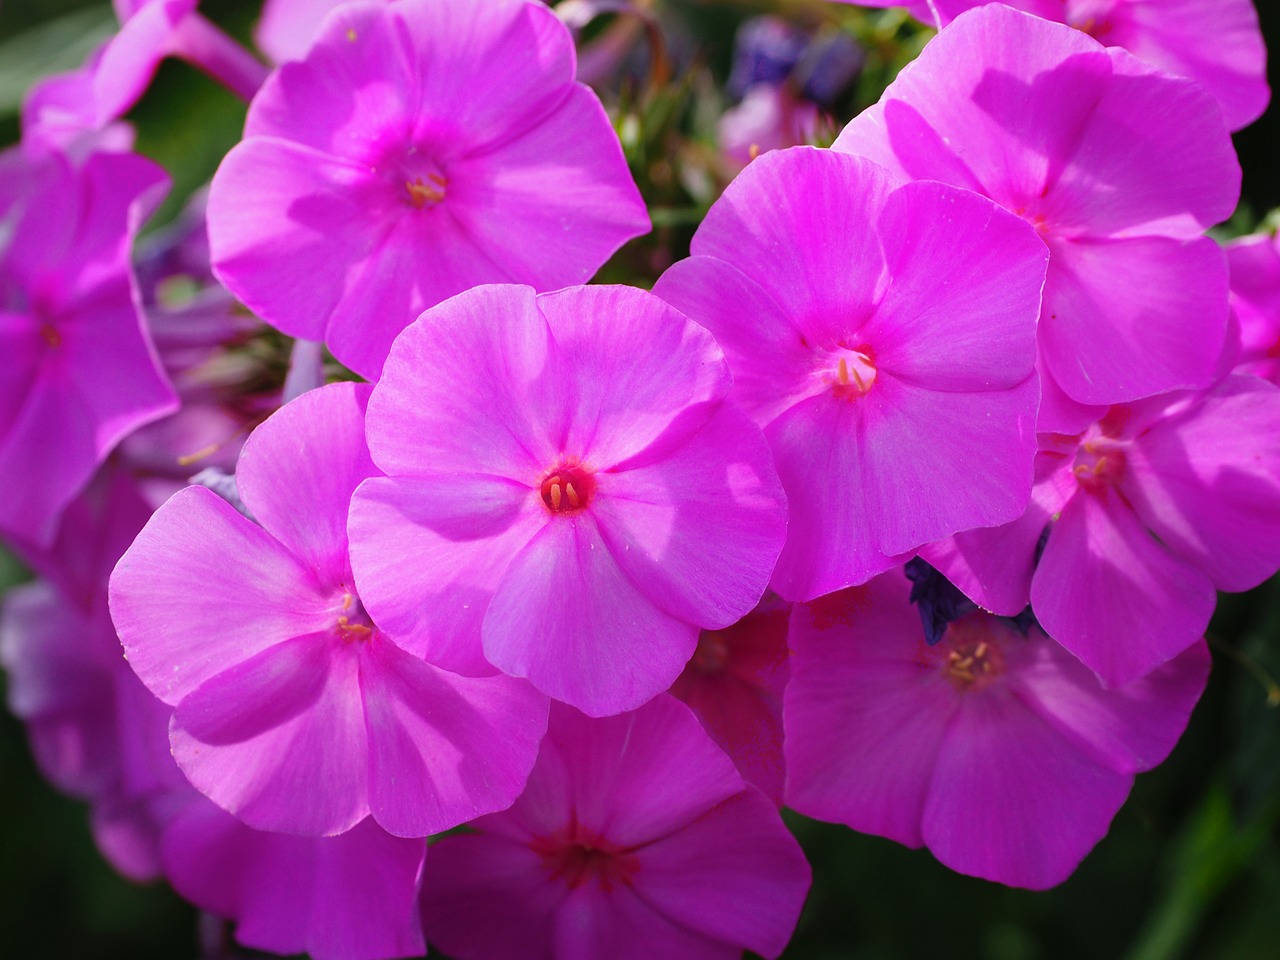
<point>1110,593</point>
<point>698,530</point>
<point>252,594</point>
<point>568,618</point>
<point>444,749</point>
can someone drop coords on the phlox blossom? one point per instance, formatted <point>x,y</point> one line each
<point>883,336</point>
<point>1217,43</point>
<point>998,751</point>
<point>636,838</point>
<point>1134,526</point>
<point>569,495</point>
<point>79,371</point>
<point>1118,166</point>
<point>293,710</point>
<point>418,149</point>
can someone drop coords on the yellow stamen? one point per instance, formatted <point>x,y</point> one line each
<point>555,496</point>
<point>573,496</point>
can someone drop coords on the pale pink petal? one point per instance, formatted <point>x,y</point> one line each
<point>1110,593</point>
<point>698,530</point>
<point>544,179</point>
<point>298,470</point>
<point>920,477</point>
<point>639,368</point>
<point>287,27</point>
<point>279,739</point>
<point>444,749</point>
<point>956,316</point>
<point>250,594</point>
<point>1208,485</point>
<point>1161,329</point>
<point>568,618</point>
<point>829,291</point>
<point>473,387</point>
<point>427,591</point>
<point>288,227</point>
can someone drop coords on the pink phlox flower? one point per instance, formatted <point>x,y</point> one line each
<point>1217,43</point>
<point>1255,300</point>
<point>419,149</point>
<point>1134,526</point>
<point>293,710</point>
<point>1119,167</point>
<point>998,751</point>
<point>80,371</point>
<point>636,838</point>
<point>734,685</point>
<point>884,338</point>
<point>569,496</point>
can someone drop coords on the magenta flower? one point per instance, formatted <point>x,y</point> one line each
<point>420,149</point>
<point>999,752</point>
<point>1255,300</point>
<point>880,335</point>
<point>1118,166</point>
<point>636,838</point>
<point>293,710</point>
<point>566,489</point>
<point>80,372</point>
<point>350,897</point>
<point>1141,519</point>
<point>734,686</point>
<point>1217,43</point>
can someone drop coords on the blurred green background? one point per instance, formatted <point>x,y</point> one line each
<point>1191,868</point>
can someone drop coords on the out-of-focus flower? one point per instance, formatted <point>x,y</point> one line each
<point>1255,299</point>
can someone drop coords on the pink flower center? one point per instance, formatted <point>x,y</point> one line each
<point>975,657</point>
<point>1099,463</point>
<point>712,655</point>
<point>568,488</point>
<point>51,335</point>
<point>576,856</point>
<point>424,182</point>
<point>1091,17</point>
<point>854,375</point>
<point>353,624</point>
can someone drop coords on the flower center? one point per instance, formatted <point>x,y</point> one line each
<point>568,488</point>
<point>51,335</point>
<point>1099,463</point>
<point>854,374</point>
<point>424,181</point>
<point>712,654</point>
<point>353,624</point>
<point>577,856</point>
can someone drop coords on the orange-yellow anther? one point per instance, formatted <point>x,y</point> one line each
<point>855,375</point>
<point>555,496</point>
<point>352,632</point>
<point>423,192</point>
<point>969,663</point>
<point>574,501</point>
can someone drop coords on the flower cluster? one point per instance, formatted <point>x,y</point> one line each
<point>903,500</point>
